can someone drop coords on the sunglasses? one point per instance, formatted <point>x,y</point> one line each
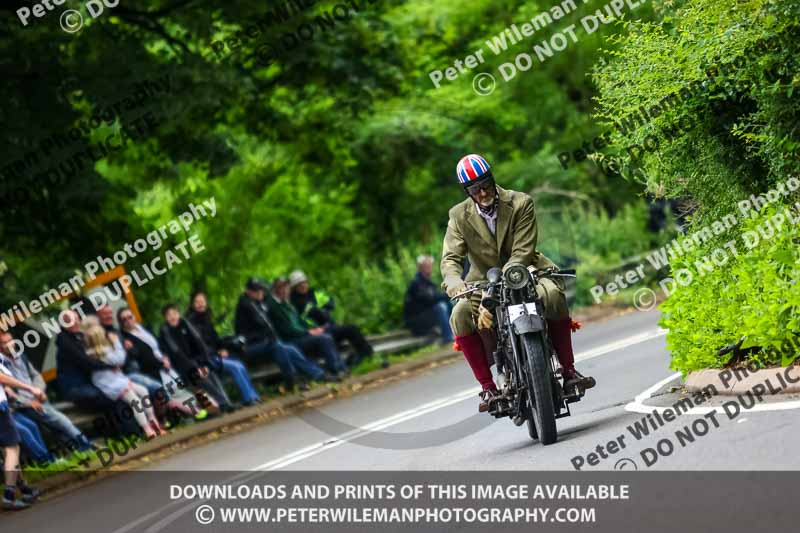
<point>478,187</point>
<point>126,318</point>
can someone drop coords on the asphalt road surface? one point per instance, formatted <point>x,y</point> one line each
<point>430,422</point>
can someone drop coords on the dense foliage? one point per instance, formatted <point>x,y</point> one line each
<point>336,155</point>
<point>731,133</point>
<point>754,295</point>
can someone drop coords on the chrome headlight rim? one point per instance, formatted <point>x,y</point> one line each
<point>516,276</point>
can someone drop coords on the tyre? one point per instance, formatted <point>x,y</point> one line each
<point>540,389</point>
<point>529,420</point>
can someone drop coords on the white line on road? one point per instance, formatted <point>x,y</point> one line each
<point>620,344</point>
<point>322,446</point>
<point>638,405</point>
<point>351,435</point>
<point>384,423</point>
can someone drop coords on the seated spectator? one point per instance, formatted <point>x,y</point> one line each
<point>74,375</point>
<point>131,367</point>
<point>261,341</point>
<point>74,367</point>
<point>25,403</point>
<point>32,441</point>
<point>199,315</point>
<point>315,307</point>
<point>425,306</point>
<point>290,328</point>
<point>106,317</point>
<point>186,349</point>
<point>9,442</point>
<point>142,347</point>
<point>107,348</point>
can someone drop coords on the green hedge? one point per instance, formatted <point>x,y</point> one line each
<point>732,132</point>
<point>754,294</point>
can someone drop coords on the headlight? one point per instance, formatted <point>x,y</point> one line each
<point>516,276</point>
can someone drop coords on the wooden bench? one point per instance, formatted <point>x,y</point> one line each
<point>394,342</point>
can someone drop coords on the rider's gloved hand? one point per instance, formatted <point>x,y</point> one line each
<point>454,286</point>
<point>485,318</point>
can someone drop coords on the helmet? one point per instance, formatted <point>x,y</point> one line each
<point>473,169</point>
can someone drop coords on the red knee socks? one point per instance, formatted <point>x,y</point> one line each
<point>472,346</point>
<point>561,337</point>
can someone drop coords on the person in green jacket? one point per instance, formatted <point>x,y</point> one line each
<point>315,307</point>
<point>292,329</point>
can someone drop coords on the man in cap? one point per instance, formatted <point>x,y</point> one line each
<point>261,340</point>
<point>315,307</point>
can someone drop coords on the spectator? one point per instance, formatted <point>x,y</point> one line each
<point>9,442</point>
<point>143,348</point>
<point>425,306</point>
<point>74,367</point>
<point>186,349</point>
<point>131,368</point>
<point>315,307</point>
<point>199,315</point>
<point>261,341</point>
<point>115,385</point>
<point>25,403</point>
<point>290,327</point>
<point>74,374</point>
<point>32,441</point>
<point>106,317</point>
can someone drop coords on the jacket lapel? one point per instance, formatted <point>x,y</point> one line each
<point>504,211</point>
<point>479,225</point>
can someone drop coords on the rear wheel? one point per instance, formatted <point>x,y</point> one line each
<point>540,390</point>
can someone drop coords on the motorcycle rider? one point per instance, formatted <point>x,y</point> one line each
<point>497,227</point>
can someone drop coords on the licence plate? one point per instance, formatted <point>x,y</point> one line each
<point>516,311</point>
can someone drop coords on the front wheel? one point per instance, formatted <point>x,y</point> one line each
<point>528,414</point>
<point>540,389</point>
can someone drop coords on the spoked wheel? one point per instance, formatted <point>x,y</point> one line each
<point>540,390</point>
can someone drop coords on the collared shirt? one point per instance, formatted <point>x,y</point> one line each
<point>491,220</point>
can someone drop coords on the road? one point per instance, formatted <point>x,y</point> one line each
<point>430,422</point>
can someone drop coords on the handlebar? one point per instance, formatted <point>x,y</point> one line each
<point>551,272</point>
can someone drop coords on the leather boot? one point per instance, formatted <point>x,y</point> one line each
<point>561,337</point>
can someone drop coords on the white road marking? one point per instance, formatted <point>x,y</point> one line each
<point>620,344</point>
<point>378,425</point>
<point>320,447</point>
<point>384,423</point>
<point>638,406</point>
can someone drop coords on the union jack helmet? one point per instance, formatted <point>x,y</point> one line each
<point>471,169</point>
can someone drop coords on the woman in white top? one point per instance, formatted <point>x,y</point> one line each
<point>113,383</point>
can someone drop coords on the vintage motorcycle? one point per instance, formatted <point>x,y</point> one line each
<point>532,384</point>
